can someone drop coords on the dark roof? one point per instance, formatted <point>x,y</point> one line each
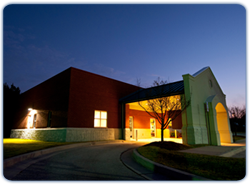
<point>155,92</point>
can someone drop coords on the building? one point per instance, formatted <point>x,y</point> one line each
<point>76,105</point>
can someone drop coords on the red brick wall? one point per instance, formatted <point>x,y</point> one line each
<point>52,94</point>
<point>142,119</point>
<point>89,92</point>
<point>177,122</point>
<point>72,96</point>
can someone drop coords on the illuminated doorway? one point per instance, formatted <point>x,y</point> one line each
<point>223,124</point>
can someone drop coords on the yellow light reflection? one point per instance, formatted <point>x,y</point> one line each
<point>19,141</point>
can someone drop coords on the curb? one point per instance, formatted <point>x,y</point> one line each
<point>233,152</point>
<point>162,169</point>
<point>131,168</point>
<point>13,160</point>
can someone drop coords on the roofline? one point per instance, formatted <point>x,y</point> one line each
<point>164,84</point>
<point>153,97</point>
<point>48,79</point>
<point>200,71</point>
<point>204,69</point>
<point>101,76</point>
<point>73,68</point>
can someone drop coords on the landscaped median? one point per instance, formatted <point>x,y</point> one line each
<point>211,167</point>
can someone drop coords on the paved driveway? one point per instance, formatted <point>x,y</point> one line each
<point>97,162</point>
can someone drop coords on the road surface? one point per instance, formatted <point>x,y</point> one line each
<point>96,162</point>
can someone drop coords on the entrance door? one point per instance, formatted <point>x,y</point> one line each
<point>152,127</point>
<point>29,121</point>
<point>34,121</point>
<point>131,123</point>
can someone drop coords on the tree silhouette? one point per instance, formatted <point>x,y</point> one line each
<point>237,112</point>
<point>10,101</point>
<point>237,118</point>
<point>164,108</point>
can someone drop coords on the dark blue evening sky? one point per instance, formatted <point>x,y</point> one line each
<point>126,42</point>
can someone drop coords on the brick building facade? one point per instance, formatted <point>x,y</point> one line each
<point>76,105</point>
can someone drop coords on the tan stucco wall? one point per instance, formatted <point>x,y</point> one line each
<point>201,89</point>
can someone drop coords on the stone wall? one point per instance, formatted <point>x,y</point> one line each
<point>47,134</point>
<point>92,134</point>
<point>67,134</point>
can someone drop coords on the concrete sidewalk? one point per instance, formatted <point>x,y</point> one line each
<point>225,150</point>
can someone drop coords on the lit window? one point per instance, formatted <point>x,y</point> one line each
<point>100,119</point>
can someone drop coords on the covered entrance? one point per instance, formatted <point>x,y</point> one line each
<point>142,124</point>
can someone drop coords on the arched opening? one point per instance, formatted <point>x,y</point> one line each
<point>222,124</point>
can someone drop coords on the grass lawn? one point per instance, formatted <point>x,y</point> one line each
<point>211,167</point>
<point>236,138</point>
<point>13,146</point>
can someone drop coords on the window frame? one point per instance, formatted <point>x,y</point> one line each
<point>170,125</point>
<point>34,120</point>
<point>100,118</point>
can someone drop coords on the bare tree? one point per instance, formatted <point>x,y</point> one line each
<point>237,112</point>
<point>162,107</point>
<point>237,118</point>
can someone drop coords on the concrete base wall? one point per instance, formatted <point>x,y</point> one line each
<point>68,134</point>
<point>92,134</point>
<point>146,133</point>
<point>194,135</point>
<point>215,138</point>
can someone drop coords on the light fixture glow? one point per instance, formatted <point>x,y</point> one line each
<point>31,117</point>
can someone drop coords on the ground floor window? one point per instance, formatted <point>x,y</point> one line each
<point>100,119</point>
<point>131,123</point>
<point>49,119</point>
<point>170,123</point>
<point>152,127</point>
<point>34,120</point>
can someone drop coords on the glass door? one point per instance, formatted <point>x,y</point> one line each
<point>34,121</point>
<point>131,124</point>
<point>152,127</point>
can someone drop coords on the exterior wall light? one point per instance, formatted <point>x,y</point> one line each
<point>233,115</point>
<point>31,122</point>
